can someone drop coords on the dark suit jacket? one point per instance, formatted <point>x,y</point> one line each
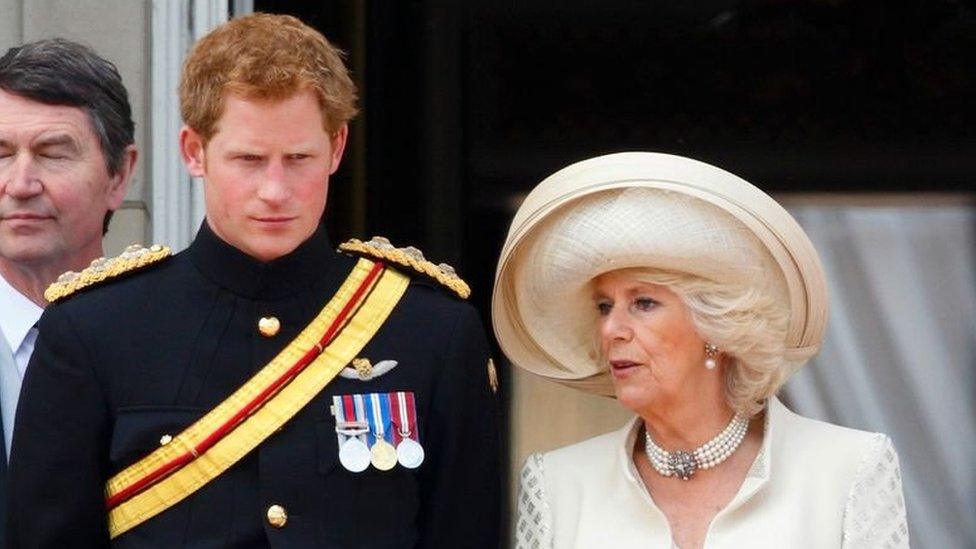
<point>118,366</point>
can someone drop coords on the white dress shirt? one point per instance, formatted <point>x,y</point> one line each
<point>18,315</point>
<point>812,485</point>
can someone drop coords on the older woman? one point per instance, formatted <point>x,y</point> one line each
<point>691,296</point>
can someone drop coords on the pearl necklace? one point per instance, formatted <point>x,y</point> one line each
<point>684,464</point>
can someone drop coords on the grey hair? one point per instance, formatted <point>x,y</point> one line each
<point>746,322</point>
<point>56,71</point>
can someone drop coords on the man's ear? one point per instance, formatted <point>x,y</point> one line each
<point>338,147</point>
<point>193,151</point>
<point>119,183</point>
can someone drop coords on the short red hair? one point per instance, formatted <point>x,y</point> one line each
<point>264,56</point>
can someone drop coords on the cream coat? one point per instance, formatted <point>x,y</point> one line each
<point>812,485</point>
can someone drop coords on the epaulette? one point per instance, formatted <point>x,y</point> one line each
<point>411,258</point>
<point>134,257</point>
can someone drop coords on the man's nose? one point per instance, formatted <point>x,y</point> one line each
<point>21,178</point>
<point>273,188</point>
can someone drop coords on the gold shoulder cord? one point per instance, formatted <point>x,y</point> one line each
<point>381,249</point>
<point>134,257</point>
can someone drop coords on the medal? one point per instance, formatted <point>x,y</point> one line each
<point>410,453</point>
<point>383,455</point>
<point>354,455</point>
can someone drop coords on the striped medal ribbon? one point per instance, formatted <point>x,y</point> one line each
<point>410,453</point>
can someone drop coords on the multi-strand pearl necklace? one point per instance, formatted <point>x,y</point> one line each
<point>684,464</point>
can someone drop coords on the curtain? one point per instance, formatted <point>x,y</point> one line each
<point>900,351</point>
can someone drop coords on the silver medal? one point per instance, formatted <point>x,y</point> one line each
<point>410,453</point>
<point>354,455</point>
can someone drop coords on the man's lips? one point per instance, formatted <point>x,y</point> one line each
<point>25,216</point>
<point>274,219</point>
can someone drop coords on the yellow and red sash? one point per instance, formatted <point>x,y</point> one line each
<point>262,405</point>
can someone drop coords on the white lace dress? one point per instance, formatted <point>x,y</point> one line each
<point>812,485</point>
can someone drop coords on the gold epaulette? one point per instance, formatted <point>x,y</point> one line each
<point>411,258</point>
<point>134,257</point>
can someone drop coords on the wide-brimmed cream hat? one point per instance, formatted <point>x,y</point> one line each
<point>641,209</point>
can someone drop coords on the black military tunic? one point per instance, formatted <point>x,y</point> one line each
<point>119,366</point>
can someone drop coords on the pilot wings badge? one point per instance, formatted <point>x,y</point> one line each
<point>363,370</point>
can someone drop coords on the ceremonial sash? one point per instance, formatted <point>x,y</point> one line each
<point>262,405</point>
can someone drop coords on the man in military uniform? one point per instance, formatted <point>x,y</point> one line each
<point>259,389</point>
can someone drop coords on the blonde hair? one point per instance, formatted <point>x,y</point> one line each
<point>746,322</point>
<point>265,57</point>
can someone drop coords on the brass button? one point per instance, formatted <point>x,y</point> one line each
<point>165,439</point>
<point>277,516</point>
<point>269,326</point>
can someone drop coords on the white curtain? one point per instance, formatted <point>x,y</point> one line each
<point>900,351</point>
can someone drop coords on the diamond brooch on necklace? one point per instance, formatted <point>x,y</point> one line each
<point>684,464</point>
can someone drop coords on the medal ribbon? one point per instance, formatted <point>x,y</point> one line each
<point>361,415</point>
<point>379,405</point>
<point>345,413</point>
<point>396,418</point>
<point>348,408</point>
<point>405,416</point>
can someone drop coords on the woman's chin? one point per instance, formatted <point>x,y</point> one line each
<point>633,396</point>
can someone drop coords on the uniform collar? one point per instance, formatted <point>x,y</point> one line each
<point>240,273</point>
<point>17,315</point>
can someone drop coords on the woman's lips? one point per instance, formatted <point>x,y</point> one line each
<point>621,368</point>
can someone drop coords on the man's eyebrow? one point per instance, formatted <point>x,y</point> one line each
<point>242,150</point>
<point>58,139</point>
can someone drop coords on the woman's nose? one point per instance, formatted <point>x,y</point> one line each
<point>616,326</point>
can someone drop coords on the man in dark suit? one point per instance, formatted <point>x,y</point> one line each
<point>173,401</point>
<point>66,158</point>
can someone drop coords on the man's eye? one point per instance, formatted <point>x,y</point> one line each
<point>248,157</point>
<point>298,156</point>
<point>604,307</point>
<point>53,153</point>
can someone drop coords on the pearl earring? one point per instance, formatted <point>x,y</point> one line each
<point>711,351</point>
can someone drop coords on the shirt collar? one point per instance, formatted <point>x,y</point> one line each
<point>231,268</point>
<point>17,315</point>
